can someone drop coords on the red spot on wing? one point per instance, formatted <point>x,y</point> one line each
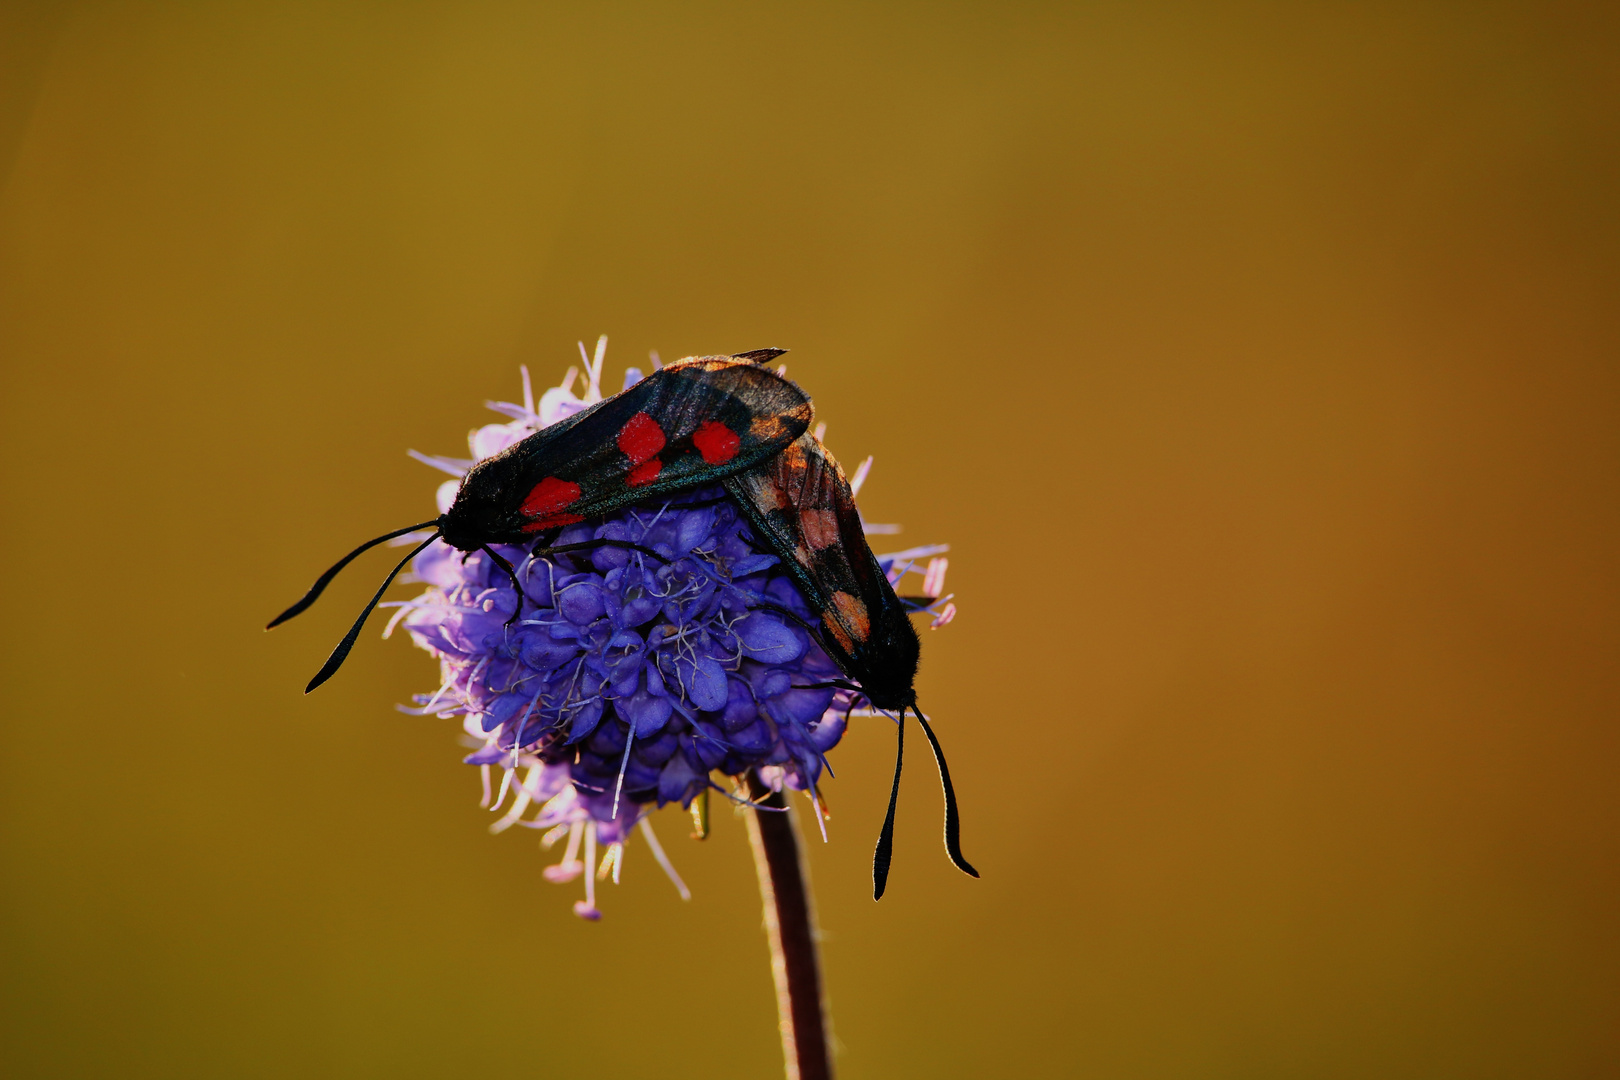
<point>549,496</point>
<point>645,473</point>
<point>716,442</point>
<point>641,438</point>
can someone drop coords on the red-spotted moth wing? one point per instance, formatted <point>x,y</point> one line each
<point>801,505</point>
<point>692,423</point>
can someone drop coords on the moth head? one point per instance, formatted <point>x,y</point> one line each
<point>890,670</point>
<point>480,513</point>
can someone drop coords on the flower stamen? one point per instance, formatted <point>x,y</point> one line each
<point>586,909</point>
<point>662,859</point>
<point>610,863</point>
<point>570,867</point>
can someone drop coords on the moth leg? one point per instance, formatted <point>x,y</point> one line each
<point>789,613</point>
<point>755,544</point>
<point>500,560</point>
<point>817,634</point>
<point>841,684</point>
<point>761,805</point>
<point>545,541</point>
<point>587,545</point>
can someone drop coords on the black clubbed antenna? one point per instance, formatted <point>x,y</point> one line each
<point>341,653</point>
<point>885,844</point>
<point>953,823</point>
<point>325,579</point>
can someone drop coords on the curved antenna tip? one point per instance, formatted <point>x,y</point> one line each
<point>341,653</point>
<point>325,579</point>
<point>953,818</point>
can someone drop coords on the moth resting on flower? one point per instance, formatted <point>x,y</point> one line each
<point>635,592</point>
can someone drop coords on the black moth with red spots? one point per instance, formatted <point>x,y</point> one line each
<point>699,421</point>
<point>692,423</point>
<point>800,503</point>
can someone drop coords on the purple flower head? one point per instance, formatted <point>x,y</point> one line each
<point>627,680</point>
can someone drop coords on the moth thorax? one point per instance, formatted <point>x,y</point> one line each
<point>469,524</point>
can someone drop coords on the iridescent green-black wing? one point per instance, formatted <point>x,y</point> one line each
<point>692,423</point>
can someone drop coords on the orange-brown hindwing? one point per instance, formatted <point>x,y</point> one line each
<point>801,505</point>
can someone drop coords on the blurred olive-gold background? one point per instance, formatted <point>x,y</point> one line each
<point>1258,361</point>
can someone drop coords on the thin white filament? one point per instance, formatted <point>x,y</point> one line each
<point>664,864</point>
<point>571,852</point>
<point>519,805</point>
<point>590,861</point>
<point>860,476</point>
<point>610,862</point>
<point>821,820</point>
<point>506,783</point>
<point>629,741</point>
